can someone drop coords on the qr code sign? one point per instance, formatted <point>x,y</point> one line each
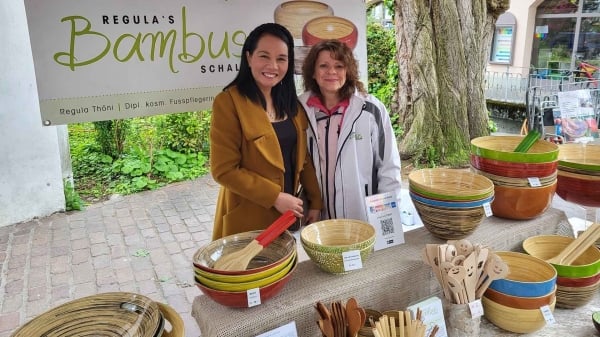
<point>387,226</point>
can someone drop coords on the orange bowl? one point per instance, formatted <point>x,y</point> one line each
<point>520,302</point>
<point>330,27</point>
<point>521,203</point>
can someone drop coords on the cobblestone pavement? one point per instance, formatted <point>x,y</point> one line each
<point>141,243</point>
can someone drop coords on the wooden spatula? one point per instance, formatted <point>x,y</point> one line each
<point>572,251</point>
<point>240,259</point>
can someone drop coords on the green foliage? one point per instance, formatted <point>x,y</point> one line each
<point>492,126</point>
<point>111,136</point>
<point>73,201</point>
<point>145,162</point>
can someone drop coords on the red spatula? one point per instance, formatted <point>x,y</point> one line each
<point>240,259</point>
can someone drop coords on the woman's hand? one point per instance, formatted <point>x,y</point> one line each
<point>285,202</point>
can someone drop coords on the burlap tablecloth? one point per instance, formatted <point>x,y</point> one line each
<point>390,279</point>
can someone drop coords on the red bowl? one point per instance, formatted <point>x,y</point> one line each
<point>577,281</point>
<point>513,169</point>
<point>520,203</point>
<point>579,188</point>
<point>330,27</point>
<point>239,299</point>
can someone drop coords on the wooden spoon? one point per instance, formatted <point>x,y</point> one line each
<point>571,252</point>
<point>470,280</point>
<point>495,269</point>
<point>455,280</point>
<point>353,317</point>
<point>240,259</point>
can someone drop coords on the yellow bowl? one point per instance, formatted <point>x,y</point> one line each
<point>244,277</point>
<point>513,319</point>
<point>450,184</point>
<point>243,286</point>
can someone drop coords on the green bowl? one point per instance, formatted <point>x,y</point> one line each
<point>334,262</point>
<point>547,246</point>
<point>502,148</point>
<point>584,157</point>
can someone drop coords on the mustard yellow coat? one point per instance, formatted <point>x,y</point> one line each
<point>246,160</point>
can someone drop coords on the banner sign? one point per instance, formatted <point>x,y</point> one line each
<point>112,59</point>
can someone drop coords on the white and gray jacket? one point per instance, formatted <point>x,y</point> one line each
<point>367,160</point>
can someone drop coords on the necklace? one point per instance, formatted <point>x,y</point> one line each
<point>271,114</point>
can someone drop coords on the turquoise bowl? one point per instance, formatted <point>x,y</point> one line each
<point>502,148</point>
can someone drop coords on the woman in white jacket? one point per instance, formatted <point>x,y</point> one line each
<point>350,136</point>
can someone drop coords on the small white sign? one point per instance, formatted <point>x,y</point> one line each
<point>547,313</point>
<point>487,208</point>
<point>534,182</point>
<point>432,315</point>
<point>288,330</point>
<point>476,308</point>
<point>253,296</point>
<point>352,260</point>
<point>383,211</point>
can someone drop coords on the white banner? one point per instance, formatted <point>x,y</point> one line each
<point>111,59</point>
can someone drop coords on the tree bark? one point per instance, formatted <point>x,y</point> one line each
<point>443,48</point>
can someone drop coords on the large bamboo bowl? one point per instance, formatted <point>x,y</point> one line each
<point>295,14</point>
<point>517,182</point>
<point>573,297</point>
<point>265,263</point>
<point>513,319</point>
<point>512,169</point>
<point>337,235</point>
<point>333,262</point>
<point>579,188</point>
<point>528,276</point>
<point>330,27</point>
<point>450,184</point>
<point>520,203</point>
<point>520,302</point>
<point>547,246</point>
<point>580,156</point>
<point>502,148</point>
<point>449,223</point>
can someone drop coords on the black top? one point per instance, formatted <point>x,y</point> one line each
<point>286,134</point>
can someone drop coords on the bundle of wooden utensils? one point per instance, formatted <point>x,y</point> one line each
<point>401,326</point>
<point>342,320</point>
<point>464,270</point>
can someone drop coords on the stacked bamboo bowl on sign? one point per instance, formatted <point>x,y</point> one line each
<point>450,202</point>
<point>579,173</point>
<point>524,182</point>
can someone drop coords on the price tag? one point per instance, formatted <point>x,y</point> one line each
<point>288,330</point>
<point>487,207</point>
<point>383,211</point>
<point>534,182</point>
<point>253,296</point>
<point>476,308</point>
<point>547,313</point>
<point>352,260</point>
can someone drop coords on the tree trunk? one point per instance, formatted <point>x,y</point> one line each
<point>443,48</point>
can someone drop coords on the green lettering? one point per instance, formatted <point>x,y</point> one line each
<point>238,38</point>
<point>71,58</point>
<point>184,56</point>
<point>135,48</point>
<point>163,42</point>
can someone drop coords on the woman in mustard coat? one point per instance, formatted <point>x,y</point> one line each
<point>258,139</point>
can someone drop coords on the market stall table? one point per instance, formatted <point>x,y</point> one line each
<point>391,279</point>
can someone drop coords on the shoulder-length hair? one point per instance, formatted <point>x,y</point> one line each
<point>341,52</point>
<point>283,94</point>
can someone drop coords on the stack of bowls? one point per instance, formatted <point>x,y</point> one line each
<point>579,173</point>
<point>450,202</point>
<point>578,282</point>
<point>268,271</point>
<point>326,241</point>
<point>514,303</point>
<point>524,182</point>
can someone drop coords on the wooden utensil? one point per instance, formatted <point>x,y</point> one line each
<point>240,259</point>
<point>470,280</point>
<point>495,268</point>
<point>353,317</point>
<point>577,246</point>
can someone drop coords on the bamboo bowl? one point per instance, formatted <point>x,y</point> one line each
<point>449,223</point>
<point>337,235</point>
<point>293,15</point>
<point>265,263</point>
<point>580,156</point>
<point>573,297</point>
<point>517,182</point>
<point>502,148</point>
<point>512,169</point>
<point>528,276</point>
<point>450,184</point>
<point>521,203</point>
<point>547,246</point>
<point>579,188</point>
<point>333,262</point>
<point>330,27</point>
<point>520,302</point>
<point>513,319</point>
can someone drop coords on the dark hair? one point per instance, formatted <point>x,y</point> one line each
<point>283,94</point>
<point>341,52</point>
